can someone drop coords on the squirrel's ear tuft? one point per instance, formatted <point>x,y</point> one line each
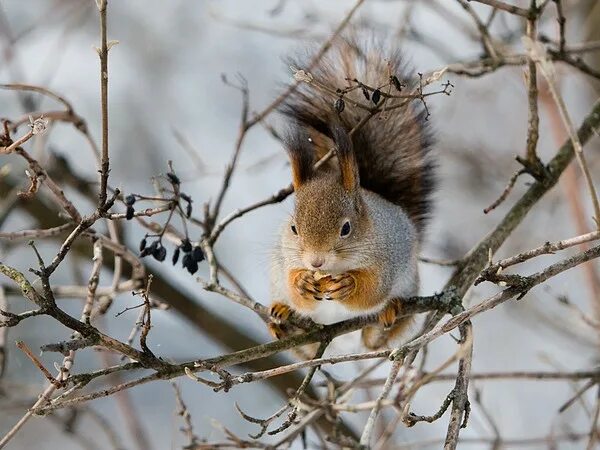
<point>301,152</point>
<point>346,158</point>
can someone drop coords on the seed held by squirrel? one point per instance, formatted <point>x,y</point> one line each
<point>350,247</point>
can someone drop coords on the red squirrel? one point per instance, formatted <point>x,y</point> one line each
<point>350,248</point>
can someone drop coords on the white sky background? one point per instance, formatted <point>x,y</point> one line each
<point>165,74</point>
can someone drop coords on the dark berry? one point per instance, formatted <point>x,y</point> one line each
<point>185,261</point>
<point>188,210</point>
<point>339,105</point>
<point>396,82</point>
<point>150,249</point>
<point>186,245</point>
<point>376,96</point>
<point>365,92</point>
<point>130,200</point>
<point>129,213</point>
<point>197,254</point>
<point>173,178</point>
<point>160,253</point>
<point>189,263</point>
<point>176,256</point>
<point>143,244</point>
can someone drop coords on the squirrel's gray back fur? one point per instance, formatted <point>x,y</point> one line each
<point>393,148</point>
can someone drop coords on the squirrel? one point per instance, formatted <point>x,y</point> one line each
<point>350,248</point>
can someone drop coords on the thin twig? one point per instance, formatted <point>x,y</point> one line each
<point>497,4</point>
<point>365,438</point>
<point>545,249</point>
<point>93,281</point>
<point>532,162</point>
<point>146,317</point>
<point>103,54</point>
<point>182,411</point>
<point>561,25</point>
<point>25,349</point>
<point>505,192</point>
<point>460,399</point>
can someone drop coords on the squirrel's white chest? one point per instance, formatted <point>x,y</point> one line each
<point>328,312</point>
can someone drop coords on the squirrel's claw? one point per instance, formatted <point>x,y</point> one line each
<point>388,315</point>
<point>339,294</point>
<point>280,311</point>
<point>307,287</point>
<point>340,287</point>
<point>276,330</point>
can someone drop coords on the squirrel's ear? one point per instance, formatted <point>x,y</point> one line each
<point>301,152</point>
<point>346,158</point>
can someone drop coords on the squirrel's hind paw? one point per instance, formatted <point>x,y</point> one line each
<point>280,311</point>
<point>276,330</point>
<point>388,315</point>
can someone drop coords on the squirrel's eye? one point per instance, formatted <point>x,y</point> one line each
<point>345,231</point>
<point>294,230</point>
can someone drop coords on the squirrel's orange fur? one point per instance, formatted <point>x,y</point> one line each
<point>364,296</point>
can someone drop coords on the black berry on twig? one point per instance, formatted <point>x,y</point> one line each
<point>339,105</point>
<point>189,263</point>
<point>176,256</point>
<point>149,250</point>
<point>396,82</point>
<point>173,178</point>
<point>160,253</point>
<point>130,200</point>
<point>197,254</point>
<point>186,245</point>
<point>365,92</point>
<point>376,96</point>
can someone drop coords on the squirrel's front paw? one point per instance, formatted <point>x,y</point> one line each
<point>339,287</point>
<point>307,286</point>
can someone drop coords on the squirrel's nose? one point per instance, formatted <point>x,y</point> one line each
<point>317,262</point>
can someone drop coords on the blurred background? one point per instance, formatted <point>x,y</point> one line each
<point>168,102</point>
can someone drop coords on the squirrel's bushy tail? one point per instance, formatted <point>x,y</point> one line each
<point>393,148</point>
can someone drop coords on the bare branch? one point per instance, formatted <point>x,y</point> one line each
<point>497,4</point>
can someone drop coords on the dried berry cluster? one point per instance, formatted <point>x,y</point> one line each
<point>178,195</point>
<point>156,249</point>
<point>374,96</point>
<point>193,254</point>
